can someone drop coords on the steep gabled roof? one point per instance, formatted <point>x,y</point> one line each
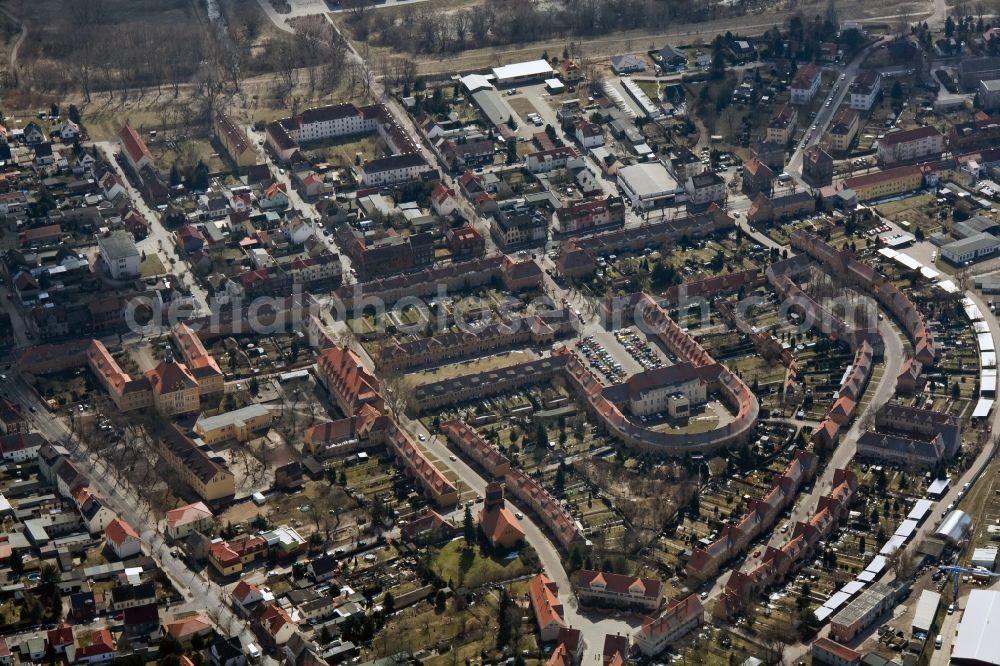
<point>118,532</point>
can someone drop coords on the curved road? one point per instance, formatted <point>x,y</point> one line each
<point>594,629</point>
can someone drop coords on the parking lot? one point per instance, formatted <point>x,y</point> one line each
<point>639,349</point>
<point>537,97</point>
<point>600,359</point>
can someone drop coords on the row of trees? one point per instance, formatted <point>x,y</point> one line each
<point>422,29</point>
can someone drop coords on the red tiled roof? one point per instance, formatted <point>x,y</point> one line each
<point>544,600</point>
<point>61,635</point>
<point>893,138</point>
<point>118,532</point>
<point>133,144</point>
<point>96,643</point>
<point>805,76</point>
<point>833,647</point>
<point>170,378</point>
<point>648,587</point>
<point>882,176</point>
<point>496,521</point>
<point>243,590</point>
<point>188,514</point>
<point>185,628</point>
<point>676,613</point>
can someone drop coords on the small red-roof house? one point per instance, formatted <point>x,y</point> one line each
<point>443,200</point>
<point>95,647</point>
<point>185,629</point>
<point>828,651</point>
<point>60,637</point>
<point>134,149</point>
<point>275,623</point>
<point>122,539</point>
<point>184,520</point>
<point>246,596</point>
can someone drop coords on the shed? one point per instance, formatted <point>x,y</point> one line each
<point>985,557</point>
<point>938,488</point>
<point>554,86</point>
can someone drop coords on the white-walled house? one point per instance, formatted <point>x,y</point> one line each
<point>122,539</point>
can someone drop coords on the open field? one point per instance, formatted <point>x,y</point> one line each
<point>603,46</point>
<point>186,151</point>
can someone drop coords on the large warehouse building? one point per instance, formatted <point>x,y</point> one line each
<point>648,185</point>
<point>522,72</point>
<point>977,644</point>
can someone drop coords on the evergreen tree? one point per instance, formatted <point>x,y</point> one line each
<point>541,437</point>
<point>469,528</point>
<point>388,603</point>
<point>503,618</point>
<point>17,563</point>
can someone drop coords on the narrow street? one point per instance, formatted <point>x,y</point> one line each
<point>160,241</point>
<point>826,114</point>
<point>199,593</point>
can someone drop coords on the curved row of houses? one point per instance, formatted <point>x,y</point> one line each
<point>779,563</point>
<point>849,395</point>
<point>815,315</point>
<point>866,343</point>
<point>356,390</point>
<point>567,530</point>
<point>589,388</point>
<point>717,378</point>
<point>654,320</point>
<point>878,286</point>
<point>706,562</point>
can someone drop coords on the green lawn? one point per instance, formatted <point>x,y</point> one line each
<point>471,568</point>
<point>152,266</point>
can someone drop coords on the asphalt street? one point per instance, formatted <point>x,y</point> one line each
<point>199,593</point>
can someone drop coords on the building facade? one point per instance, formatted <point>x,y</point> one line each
<point>806,83</point>
<point>865,89</point>
<point>781,126</point>
<point>909,145</point>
